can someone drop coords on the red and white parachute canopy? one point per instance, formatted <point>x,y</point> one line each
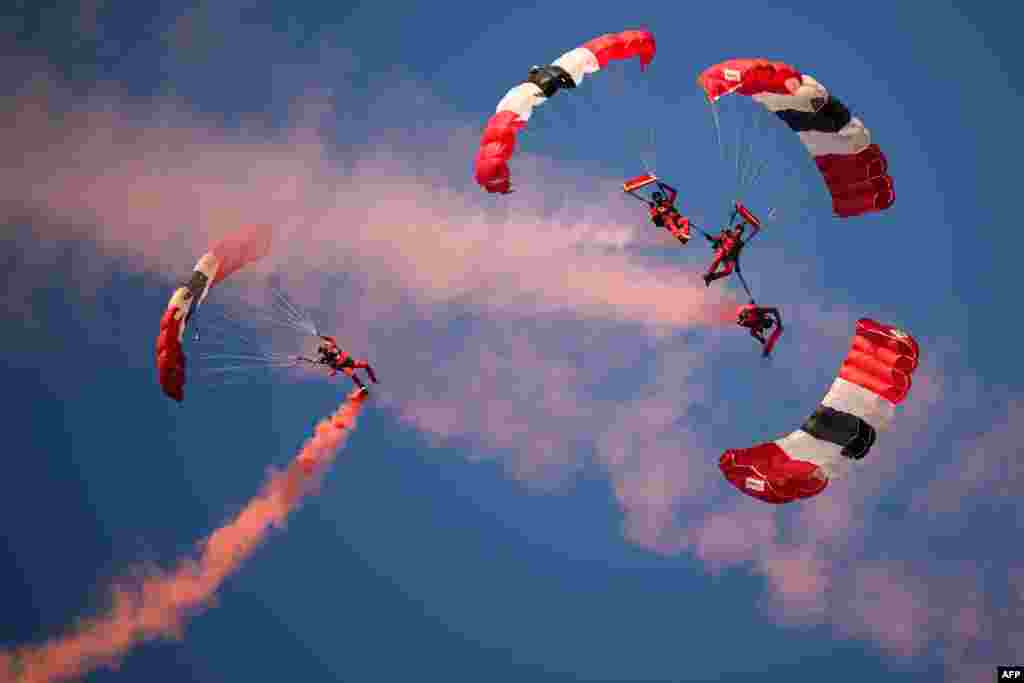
<point>872,381</point>
<point>499,138</point>
<point>235,251</point>
<point>855,170</point>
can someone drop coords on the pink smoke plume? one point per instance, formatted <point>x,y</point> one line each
<point>161,605</point>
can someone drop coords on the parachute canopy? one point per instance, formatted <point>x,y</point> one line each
<point>639,182</point>
<point>855,170</point>
<point>237,250</point>
<point>498,141</point>
<point>874,378</point>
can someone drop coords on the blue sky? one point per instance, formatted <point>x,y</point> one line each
<point>438,551</point>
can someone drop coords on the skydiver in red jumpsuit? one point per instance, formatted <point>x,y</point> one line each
<point>664,213</point>
<point>759,320</point>
<point>337,360</point>
<point>727,245</point>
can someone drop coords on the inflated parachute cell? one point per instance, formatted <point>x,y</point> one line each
<point>874,378</point>
<point>245,246</point>
<point>498,141</point>
<point>855,170</point>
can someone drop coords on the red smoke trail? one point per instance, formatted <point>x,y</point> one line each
<point>162,603</point>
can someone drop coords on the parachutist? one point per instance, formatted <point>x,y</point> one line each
<point>759,320</point>
<point>728,244</point>
<point>337,360</point>
<point>664,213</point>
<point>662,208</point>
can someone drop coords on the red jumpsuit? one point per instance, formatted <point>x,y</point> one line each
<point>728,245</point>
<point>665,215</point>
<point>337,360</point>
<point>759,320</point>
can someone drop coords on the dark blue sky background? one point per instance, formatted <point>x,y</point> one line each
<point>417,561</point>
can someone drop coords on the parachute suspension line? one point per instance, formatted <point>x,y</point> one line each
<point>223,335</point>
<point>743,281</point>
<point>654,154</point>
<point>250,366</point>
<point>266,317</point>
<point>737,151</point>
<point>748,149</point>
<point>300,318</point>
<point>757,173</point>
<point>248,356</point>
<point>747,157</point>
<point>286,305</point>
<point>718,129</point>
<point>653,148</point>
<point>764,161</point>
<point>231,374</point>
<point>279,309</point>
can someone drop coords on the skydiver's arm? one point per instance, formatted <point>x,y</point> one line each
<point>672,194</point>
<point>633,194</point>
<point>774,312</point>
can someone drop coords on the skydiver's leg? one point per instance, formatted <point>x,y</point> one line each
<point>772,339</point>
<point>709,276</point>
<point>365,365</point>
<point>350,371</point>
<point>726,270</point>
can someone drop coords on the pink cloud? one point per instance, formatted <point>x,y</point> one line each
<point>729,538</point>
<point>987,465</point>
<point>799,580</point>
<point>890,608</point>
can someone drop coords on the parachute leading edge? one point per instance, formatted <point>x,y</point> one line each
<point>641,181</point>
<point>874,378</point>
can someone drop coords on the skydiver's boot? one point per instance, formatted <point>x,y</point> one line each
<point>708,277</point>
<point>770,344</point>
<point>362,390</point>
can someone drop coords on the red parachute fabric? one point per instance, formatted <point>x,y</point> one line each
<point>873,379</point>
<point>241,248</point>
<point>498,141</point>
<point>855,170</point>
<point>237,250</point>
<point>746,77</point>
<point>624,45</point>
<point>170,358</point>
